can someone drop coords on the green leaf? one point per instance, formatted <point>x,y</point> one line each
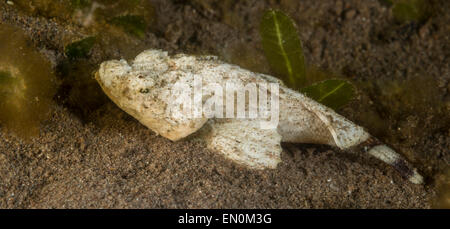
<point>132,24</point>
<point>283,48</point>
<point>80,49</point>
<point>409,10</point>
<point>333,93</point>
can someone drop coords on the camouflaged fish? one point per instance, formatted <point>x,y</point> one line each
<point>145,89</point>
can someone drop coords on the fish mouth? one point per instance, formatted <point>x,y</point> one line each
<point>97,76</point>
<point>98,79</point>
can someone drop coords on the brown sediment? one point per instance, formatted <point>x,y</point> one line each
<point>112,161</point>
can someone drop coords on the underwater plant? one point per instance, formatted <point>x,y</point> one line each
<point>79,49</point>
<point>49,9</point>
<point>131,16</point>
<point>27,84</point>
<point>443,187</point>
<point>78,90</point>
<point>131,24</point>
<point>111,28</point>
<point>409,10</point>
<point>283,49</point>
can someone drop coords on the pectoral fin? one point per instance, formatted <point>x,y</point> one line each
<point>244,142</point>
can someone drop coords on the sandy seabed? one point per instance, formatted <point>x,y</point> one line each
<point>112,161</point>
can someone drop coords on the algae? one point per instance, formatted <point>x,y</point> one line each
<point>110,28</point>
<point>27,84</point>
<point>443,186</point>
<point>410,10</point>
<point>79,91</point>
<point>6,78</point>
<point>403,110</point>
<point>405,11</point>
<point>80,49</point>
<point>133,16</point>
<point>131,24</point>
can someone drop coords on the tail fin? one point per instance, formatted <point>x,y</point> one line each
<point>384,153</point>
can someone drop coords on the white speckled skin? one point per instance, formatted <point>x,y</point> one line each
<point>301,119</point>
<point>142,90</point>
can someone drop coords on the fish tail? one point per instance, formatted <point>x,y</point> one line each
<point>377,149</point>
